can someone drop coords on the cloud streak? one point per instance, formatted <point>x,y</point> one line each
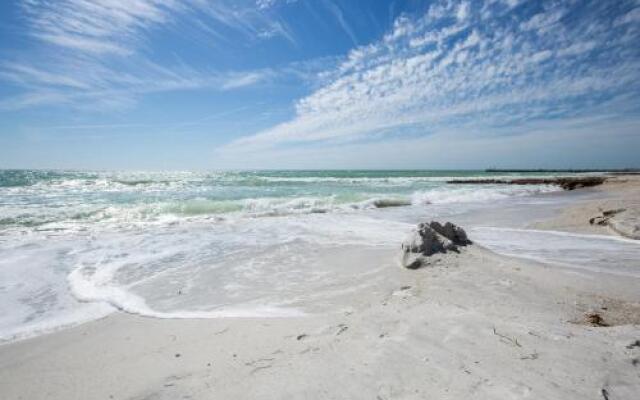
<point>119,26</point>
<point>92,84</point>
<point>107,26</point>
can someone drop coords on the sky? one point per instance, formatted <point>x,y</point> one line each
<point>316,84</point>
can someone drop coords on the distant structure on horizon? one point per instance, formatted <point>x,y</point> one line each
<point>631,171</point>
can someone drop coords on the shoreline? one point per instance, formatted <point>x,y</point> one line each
<point>474,325</point>
<point>621,192</point>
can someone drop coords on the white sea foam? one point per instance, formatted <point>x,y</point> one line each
<point>33,292</point>
<point>248,268</point>
<point>89,289</point>
<point>77,246</point>
<point>467,194</point>
<point>80,215</point>
<point>595,253</point>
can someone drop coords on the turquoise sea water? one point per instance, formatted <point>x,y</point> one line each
<point>78,245</point>
<point>66,200</point>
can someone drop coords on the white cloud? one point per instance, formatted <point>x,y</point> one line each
<point>631,17</point>
<point>267,4</point>
<point>339,16</point>
<point>578,48</point>
<point>537,144</point>
<point>27,74</point>
<point>96,52</point>
<point>120,26</point>
<point>32,99</point>
<point>106,26</point>
<point>544,20</point>
<point>264,4</point>
<point>485,64</point>
<point>463,11</point>
<point>541,56</point>
<point>243,80</point>
<point>93,85</point>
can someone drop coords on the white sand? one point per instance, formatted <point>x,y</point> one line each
<point>618,192</point>
<point>474,326</point>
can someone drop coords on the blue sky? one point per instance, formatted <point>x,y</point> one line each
<point>197,84</point>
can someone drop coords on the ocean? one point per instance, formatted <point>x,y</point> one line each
<point>76,245</point>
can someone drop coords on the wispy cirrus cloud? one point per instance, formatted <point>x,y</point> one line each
<point>494,63</point>
<point>266,4</point>
<point>93,84</point>
<point>120,26</point>
<point>340,18</point>
<point>107,26</point>
<point>96,54</point>
<point>243,79</point>
<point>568,143</point>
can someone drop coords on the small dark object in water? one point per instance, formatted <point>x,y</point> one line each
<point>177,355</point>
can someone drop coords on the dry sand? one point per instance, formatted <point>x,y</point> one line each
<point>621,192</point>
<point>473,326</point>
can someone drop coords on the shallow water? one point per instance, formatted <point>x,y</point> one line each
<point>595,253</point>
<point>52,200</point>
<point>76,246</point>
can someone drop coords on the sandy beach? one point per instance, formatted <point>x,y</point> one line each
<point>319,199</point>
<point>475,325</point>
